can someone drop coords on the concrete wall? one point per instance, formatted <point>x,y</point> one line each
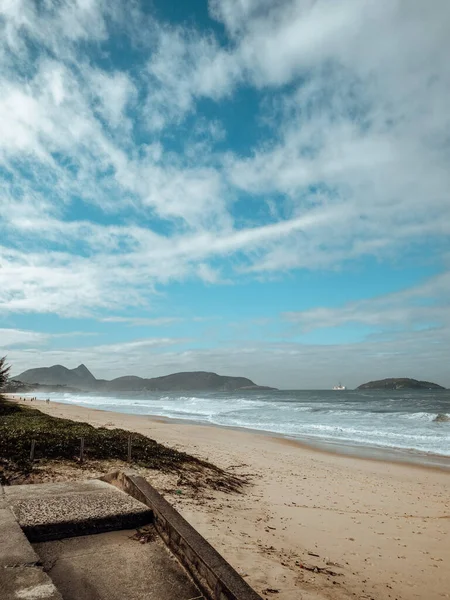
<point>211,572</point>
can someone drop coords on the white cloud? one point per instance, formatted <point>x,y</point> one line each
<point>236,14</point>
<point>70,284</point>
<point>208,274</point>
<point>140,344</point>
<point>425,305</point>
<point>186,67</point>
<point>14,337</point>
<point>362,130</point>
<point>142,321</point>
<point>113,93</point>
<point>357,161</point>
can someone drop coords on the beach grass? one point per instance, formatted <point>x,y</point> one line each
<point>59,439</point>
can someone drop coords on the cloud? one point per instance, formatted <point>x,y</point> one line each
<point>22,338</point>
<point>139,344</point>
<point>142,322</point>
<point>72,284</point>
<point>17,337</point>
<point>237,14</point>
<point>98,208</point>
<point>358,130</point>
<point>185,67</point>
<point>425,305</point>
<point>113,93</point>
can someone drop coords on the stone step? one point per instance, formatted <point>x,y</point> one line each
<point>54,511</point>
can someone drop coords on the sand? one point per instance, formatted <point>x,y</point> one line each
<point>382,528</point>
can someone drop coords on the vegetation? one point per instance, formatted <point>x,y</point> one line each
<point>4,372</point>
<point>399,383</point>
<point>59,439</point>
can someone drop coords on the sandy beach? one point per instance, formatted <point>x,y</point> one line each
<point>380,529</point>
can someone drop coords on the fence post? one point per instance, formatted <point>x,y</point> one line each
<point>129,448</point>
<point>81,450</point>
<point>33,444</point>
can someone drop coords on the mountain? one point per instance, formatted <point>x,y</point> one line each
<point>402,383</point>
<point>191,380</point>
<point>83,379</point>
<point>82,372</point>
<point>80,377</point>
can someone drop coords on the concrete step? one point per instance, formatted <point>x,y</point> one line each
<point>59,510</point>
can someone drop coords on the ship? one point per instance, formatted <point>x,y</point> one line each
<point>339,387</point>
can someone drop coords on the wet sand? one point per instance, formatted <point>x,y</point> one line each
<point>380,529</point>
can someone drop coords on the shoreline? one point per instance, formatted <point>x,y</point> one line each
<point>381,527</point>
<point>385,454</point>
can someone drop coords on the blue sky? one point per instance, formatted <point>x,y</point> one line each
<point>248,187</point>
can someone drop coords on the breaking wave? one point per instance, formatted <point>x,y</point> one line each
<point>417,421</point>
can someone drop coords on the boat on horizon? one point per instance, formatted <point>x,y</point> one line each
<point>339,387</point>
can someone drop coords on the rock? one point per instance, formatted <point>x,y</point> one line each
<point>441,418</point>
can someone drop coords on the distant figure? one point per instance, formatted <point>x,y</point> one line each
<point>48,400</point>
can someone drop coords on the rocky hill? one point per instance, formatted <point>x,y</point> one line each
<point>192,380</point>
<point>82,379</point>
<point>401,383</point>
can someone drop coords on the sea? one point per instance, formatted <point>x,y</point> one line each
<point>410,424</point>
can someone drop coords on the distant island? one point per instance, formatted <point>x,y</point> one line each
<point>81,379</point>
<point>401,383</point>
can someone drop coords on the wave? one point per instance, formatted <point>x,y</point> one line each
<point>415,422</point>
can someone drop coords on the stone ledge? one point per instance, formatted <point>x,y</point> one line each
<point>212,573</point>
<point>20,573</point>
<point>22,492</point>
<point>14,547</point>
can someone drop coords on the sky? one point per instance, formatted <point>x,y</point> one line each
<point>249,187</point>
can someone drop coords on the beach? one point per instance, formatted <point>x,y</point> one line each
<point>374,529</point>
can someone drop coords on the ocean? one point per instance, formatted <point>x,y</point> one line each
<point>416,421</point>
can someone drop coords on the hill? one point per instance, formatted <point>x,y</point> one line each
<point>191,380</point>
<point>82,379</point>
<point>402,383</point>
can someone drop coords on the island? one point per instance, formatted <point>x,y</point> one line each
<point>82,379</point>
<point>399,383</point>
